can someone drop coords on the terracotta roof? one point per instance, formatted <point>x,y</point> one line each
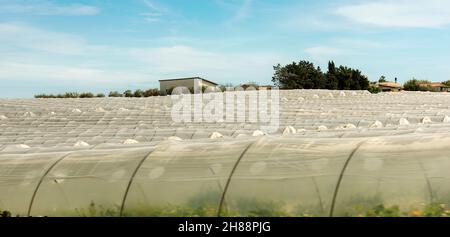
<point>434,84</point>
<point>390,84</point>
<point>189,78</point>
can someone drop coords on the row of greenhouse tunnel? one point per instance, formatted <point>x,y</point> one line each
<point>263,176</point>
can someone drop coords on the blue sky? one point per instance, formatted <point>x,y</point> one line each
<point>102,45</point>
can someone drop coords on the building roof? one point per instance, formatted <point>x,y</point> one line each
<point>435,84</point>
<point>390,84</point>
<point>189,78</point>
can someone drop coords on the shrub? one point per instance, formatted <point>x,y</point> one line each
<point>415,85</point>
<point>100,95</point>
<point>128,93</point>
<point>87,95</point>
<point>151,92</point>
<point>138,93</point>
<point>71,95</point>
<point>5,213</point>
<point>374,90</point>
<point>114,94</point>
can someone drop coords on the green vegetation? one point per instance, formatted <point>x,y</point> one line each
<point>86,95</point>
<point>69,95</point>
<point>207,206</point>
<point>417,85</point>
<point>304,75</point>
<point>5,213</point>
<point>374,207</point>
<point>115,94</point>
<point>98,210</point>
<point>127,93</point>
<point>430,210</point>
<point>374,90</point>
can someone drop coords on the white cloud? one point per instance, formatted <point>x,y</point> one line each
<point>156,11</point>
<point>30,38</point>
<point>181,60</point>
<point>323,53</point>
<point>242,12</point>
<point>58,73</point>
<point>403,13</point>
<point>48,8</point>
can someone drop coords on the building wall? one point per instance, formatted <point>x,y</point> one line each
<point>203,83</point>
<point>164,86</point>
<point>387,89</point>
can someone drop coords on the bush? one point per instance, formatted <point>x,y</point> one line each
<point>415,85</point>
<point>5,213</point>
<point>100,95</point>
<point>374,90</point>
<point>87,95</point>
<point>114,94</point>
<point>151,92</point>
<point>139,93</point>
<point>128,93</point>
<point>71,95</point>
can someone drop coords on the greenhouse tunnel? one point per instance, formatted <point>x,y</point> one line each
<point>264,176</point>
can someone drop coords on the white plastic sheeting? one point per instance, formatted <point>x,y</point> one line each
<point>255,176</point>
<point>149,120</point>
<point>341,153</point>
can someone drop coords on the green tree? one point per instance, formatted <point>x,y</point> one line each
<point>344,78</point>
<point>331,79</point>
<point>382,79</point>
<point>416,85</point>
<point>138,93</point>
<point>87,95</point>
<point>302,75</point>
<point>115,94</point>
<point>151,92</point>
<point>128,93</point>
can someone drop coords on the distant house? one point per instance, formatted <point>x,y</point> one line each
<point>436,86</point>
<point>166,86</point>
<point>258,87</point>
<point>389,86</point>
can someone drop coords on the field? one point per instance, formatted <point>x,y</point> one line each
<point>335,153</point>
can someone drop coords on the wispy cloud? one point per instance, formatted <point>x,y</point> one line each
<point>65,73</point>
<point>324,53</point>
<point>399,13</point>
<point>25,37</point>
<point>155,11</point>
<point>243,11</point>
<point>179,60</point>
<point>41,7</point>
<point>240,9</point>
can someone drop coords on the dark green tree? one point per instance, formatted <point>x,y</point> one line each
<point>331,79</point>
<point>138,93</point>
<point>115,94</point>
<point>128,93</point>
<point>302,75</point>
<point>416,85</point>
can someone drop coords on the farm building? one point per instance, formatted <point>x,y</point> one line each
<point>437,86</point>
<point>390,86</point>
<point>167,85</point>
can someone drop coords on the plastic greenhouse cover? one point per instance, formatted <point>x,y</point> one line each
<point>265,176</point>
<point>336,153</point>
